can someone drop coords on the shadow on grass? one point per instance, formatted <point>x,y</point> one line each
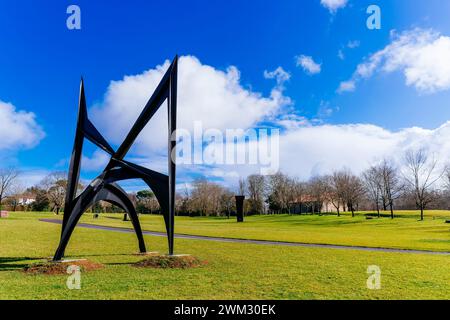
<point>98,255</point>
<point>15,263</point>
<point>18,263</point>
<point>118,263</point>
<point>114,218</point>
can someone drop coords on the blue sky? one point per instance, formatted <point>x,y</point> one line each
<point>41,61</point>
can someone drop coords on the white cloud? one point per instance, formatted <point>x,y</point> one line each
<point>208,95</point>
<point>346,86</point>
<point>422,55</point>
<point>31,177</point>
<point>308,64</point>
<point>219,100</point>
<point>353,44</point>
<point>279,74</point>
<point>96,162</point>
<point>306,150</point>
<point>18,129</point>
<point>326,110</point>
<point>350,45</point>
<point>355,146</point>
<point>333,5</point>
<point>291,121</point>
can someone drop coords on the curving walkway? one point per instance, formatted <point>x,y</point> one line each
<point>249,241</point>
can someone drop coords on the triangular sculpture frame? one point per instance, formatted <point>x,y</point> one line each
<point>104,187</point>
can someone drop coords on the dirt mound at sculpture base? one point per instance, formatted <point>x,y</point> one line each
<point>171,262</point>
<point>61,267</point>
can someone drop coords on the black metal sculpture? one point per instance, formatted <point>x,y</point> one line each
<point>240,208</point>
<point>104,187</point>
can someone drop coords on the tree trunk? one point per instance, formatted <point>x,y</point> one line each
<point>421,213</point>
<point>57,211</point>
<point>392,210</point>
<point>378,210</point>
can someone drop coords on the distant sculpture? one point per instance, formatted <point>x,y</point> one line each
<point>104,187</point>
<point>240,208</point>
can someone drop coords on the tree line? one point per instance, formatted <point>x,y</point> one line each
<point>417,183</point>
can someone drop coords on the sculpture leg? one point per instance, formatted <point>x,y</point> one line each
<point>172,117</point>
<point>67,233</point>
<point>137,228</point>
<point>160,191</point>
<point>81,205</point>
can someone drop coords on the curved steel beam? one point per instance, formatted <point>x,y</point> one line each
<point>103,187</point>
<point>111,193</point>
<point>114,194</point>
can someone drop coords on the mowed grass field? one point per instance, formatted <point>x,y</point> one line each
<point>235,270</point>
<point>403,232</point>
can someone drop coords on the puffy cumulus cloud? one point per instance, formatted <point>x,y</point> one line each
<point>213,97</point>
<point>96,162</point>
<point>308,64</point>
<point>18,129</point>
<point>218,100</point>
<point>422,55</point>
<point>305,150</point>
<point>311,150</point>
<point>333,5</point>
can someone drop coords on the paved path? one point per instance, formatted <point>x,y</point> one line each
<point>248,241</point>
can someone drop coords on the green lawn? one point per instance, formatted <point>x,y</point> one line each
<point>234,271</point>
<point>404,232</point>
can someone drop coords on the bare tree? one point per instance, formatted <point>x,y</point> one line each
<point>227,202</point>
<point>256,187</point>
<point>348,189</point>
<point>207,197</point>
<point>55,185</point>
<point>446,176</point>
<point>183,200</point>
<point>335,190</point>
<point>242,186</point>
<point>16,194</point>
<point>318,188</point>
<point>373,182</point>
<point>392,187</point>
<point>281,191</point>
<point>8,180</point>
<point>300,192</point>
<point>199,196</point>
<point>354,192</point>
<point>421,175</point>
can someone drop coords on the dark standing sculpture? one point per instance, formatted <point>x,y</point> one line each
<point>104,187</point>
<point>240,208</point>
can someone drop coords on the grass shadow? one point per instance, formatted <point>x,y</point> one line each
<point>14,263</point>
<point>98,255</point>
